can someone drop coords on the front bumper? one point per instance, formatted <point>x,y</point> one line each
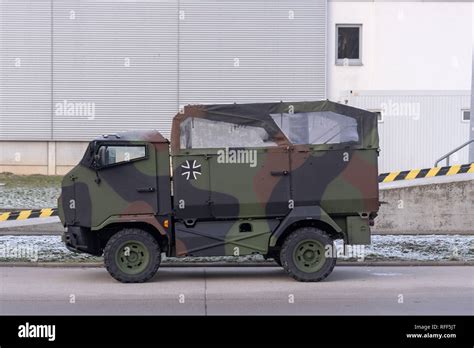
<point>83,240</point>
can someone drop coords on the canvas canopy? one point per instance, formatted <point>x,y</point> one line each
<point>273,124</point>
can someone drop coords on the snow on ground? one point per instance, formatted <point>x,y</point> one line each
<point>383,248</point>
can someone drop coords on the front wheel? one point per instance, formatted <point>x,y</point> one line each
<point>303,255</point>
<point>132,256</point>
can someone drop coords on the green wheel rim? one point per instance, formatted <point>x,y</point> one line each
<point>132,257</point>
<point>308,256</point>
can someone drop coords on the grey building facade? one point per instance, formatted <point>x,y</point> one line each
<point>72,69</point>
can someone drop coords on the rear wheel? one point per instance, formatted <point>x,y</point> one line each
<point>132,256</point>
<point>303,255</point>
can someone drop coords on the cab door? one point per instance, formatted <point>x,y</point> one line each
<point>123,180</point>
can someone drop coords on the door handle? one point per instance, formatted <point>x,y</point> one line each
<point>279,173</point>
<point>146,189</point>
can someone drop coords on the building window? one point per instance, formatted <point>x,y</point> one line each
<point>379,115</point>
<point>348,44</point>
<point>466,115</point>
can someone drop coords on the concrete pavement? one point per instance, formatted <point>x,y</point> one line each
<point>245,290</point>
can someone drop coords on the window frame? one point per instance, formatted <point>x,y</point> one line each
<point>98,145</point>
<point>462,115</point>
<point>351,61</point>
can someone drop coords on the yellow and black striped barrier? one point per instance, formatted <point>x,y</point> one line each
<point>28,214</point>
<point>426,173</point>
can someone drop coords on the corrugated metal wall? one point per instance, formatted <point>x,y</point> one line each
<point>248,51</point>
<point>91,67</point>
<point>116,59</point>
<point>25,70</point>
<point>418,126</point>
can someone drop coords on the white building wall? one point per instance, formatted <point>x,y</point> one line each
<point>405,46</point>
<point>414,54</point>
<point>418,127</point>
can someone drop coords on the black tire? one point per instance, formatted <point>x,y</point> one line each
<point>146,266</point>
<point>291,258</point>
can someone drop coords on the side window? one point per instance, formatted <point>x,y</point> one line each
<point>115,154</point>
<point>199,133</point>
<point>349,44</point>
<point>324,127</point>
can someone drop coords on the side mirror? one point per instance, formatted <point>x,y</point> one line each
<point>99,157</point>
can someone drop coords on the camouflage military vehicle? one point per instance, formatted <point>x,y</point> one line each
<point>283,180</point>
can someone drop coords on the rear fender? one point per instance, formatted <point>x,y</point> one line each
<point>307,213</point>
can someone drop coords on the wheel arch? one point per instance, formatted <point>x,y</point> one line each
<point>312,216</point>
<point>112,228</point>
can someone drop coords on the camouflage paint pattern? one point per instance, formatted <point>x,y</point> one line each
<point>337,180</point>
<point>136,191</point>
<point>232,208</point>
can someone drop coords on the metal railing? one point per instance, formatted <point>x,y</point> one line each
<point>451,152</point>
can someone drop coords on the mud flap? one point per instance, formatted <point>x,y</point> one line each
<point>358,230</point>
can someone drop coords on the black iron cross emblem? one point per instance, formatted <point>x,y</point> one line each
<point>191,169</point>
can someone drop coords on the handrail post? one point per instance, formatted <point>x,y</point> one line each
<point>448,155</point>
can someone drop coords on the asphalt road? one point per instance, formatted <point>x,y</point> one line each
<point>361,290</point>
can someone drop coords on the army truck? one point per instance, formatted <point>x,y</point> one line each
<point>283,180</point>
